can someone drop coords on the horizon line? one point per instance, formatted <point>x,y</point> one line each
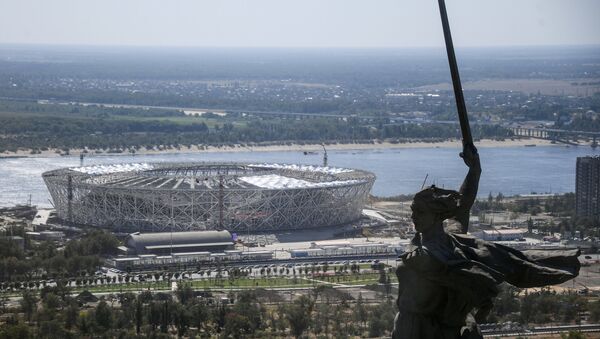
<point>249,47</point>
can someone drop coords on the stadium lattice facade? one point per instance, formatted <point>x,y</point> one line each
<point>152,197</point>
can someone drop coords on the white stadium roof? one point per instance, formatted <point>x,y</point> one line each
<point>116,168</point>
<point>275,181</point>
<point>305,168</point>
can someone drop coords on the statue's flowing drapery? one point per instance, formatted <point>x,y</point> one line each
<point>449,284</point>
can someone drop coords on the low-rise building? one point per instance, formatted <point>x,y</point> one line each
<point>147,261</point>
<point>345,248</point>
<point>151,250</point>
<point>46,236</point>
<point>501,234</point>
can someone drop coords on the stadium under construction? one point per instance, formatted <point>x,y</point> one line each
<point>239,197</point>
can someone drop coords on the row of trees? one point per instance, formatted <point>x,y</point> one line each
<point>40,133</point>
<point>542,307</point>
<point>247,314</point>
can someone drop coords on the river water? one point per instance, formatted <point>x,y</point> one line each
<point>510,170</point>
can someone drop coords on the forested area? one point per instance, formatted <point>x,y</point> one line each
<point>323,312</point>
<point>43,127</point>
<point>542,306</point>
<point>80,257</point>
<point>247,314</point>
<point>585,124</point>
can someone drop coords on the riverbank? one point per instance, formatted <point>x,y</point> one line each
<point>510,170</point>
<point>287,147</point>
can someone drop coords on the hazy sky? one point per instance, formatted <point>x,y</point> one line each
<point>298,23</point>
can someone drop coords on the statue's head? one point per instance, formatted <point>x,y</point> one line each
<point>431,206</point>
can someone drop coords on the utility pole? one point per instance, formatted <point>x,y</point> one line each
<point>324,155</point>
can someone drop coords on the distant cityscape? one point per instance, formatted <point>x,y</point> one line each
<point>208,247</point>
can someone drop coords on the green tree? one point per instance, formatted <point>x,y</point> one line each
<point>507,301</point>
<point>184,293</point>
<point>360,311</point>
<point>382,275</point>
<point>153,315</point>
<point>139,315</point>
<point>28,304</point>
<point>322,318</point>
<point>51,329</point>
<point>199,315</point>
<point>381,319</point>
<point>236,325</point>
<point>594,308</point>
<point>71,314</point>
<point>84,323</point>
<point>247,306</point>
<point>298,314</point>
<point>165,316</point>
<point>15,331</point>
<point>573,335</point>
<point>51,301</point>
<point>104,315</point>
<point>181,319</point>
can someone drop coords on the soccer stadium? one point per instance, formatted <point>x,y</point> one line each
<point>159,197</point>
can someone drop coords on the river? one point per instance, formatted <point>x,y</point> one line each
<point>510,170</point>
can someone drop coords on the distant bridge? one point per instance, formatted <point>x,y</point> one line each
<point>557,135</point>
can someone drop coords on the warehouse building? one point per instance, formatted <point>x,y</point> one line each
<point>177,242</point>
<point>501,234</point>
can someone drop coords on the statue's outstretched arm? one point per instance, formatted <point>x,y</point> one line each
<point>470,185</point>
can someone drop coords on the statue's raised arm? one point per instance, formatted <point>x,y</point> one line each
<point>470,186</point>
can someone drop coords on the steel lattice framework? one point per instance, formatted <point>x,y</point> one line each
<point>206,196</point>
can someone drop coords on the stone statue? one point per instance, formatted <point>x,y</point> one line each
<point>448,280</point>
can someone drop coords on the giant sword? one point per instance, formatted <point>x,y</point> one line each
<point>465,128</point>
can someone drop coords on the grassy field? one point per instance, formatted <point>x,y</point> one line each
<point>180,120</point>
<point>238,283</point>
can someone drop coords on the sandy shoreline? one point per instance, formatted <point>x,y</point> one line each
<point>293,148</point>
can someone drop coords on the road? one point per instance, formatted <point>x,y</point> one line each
<point>549,330</point>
